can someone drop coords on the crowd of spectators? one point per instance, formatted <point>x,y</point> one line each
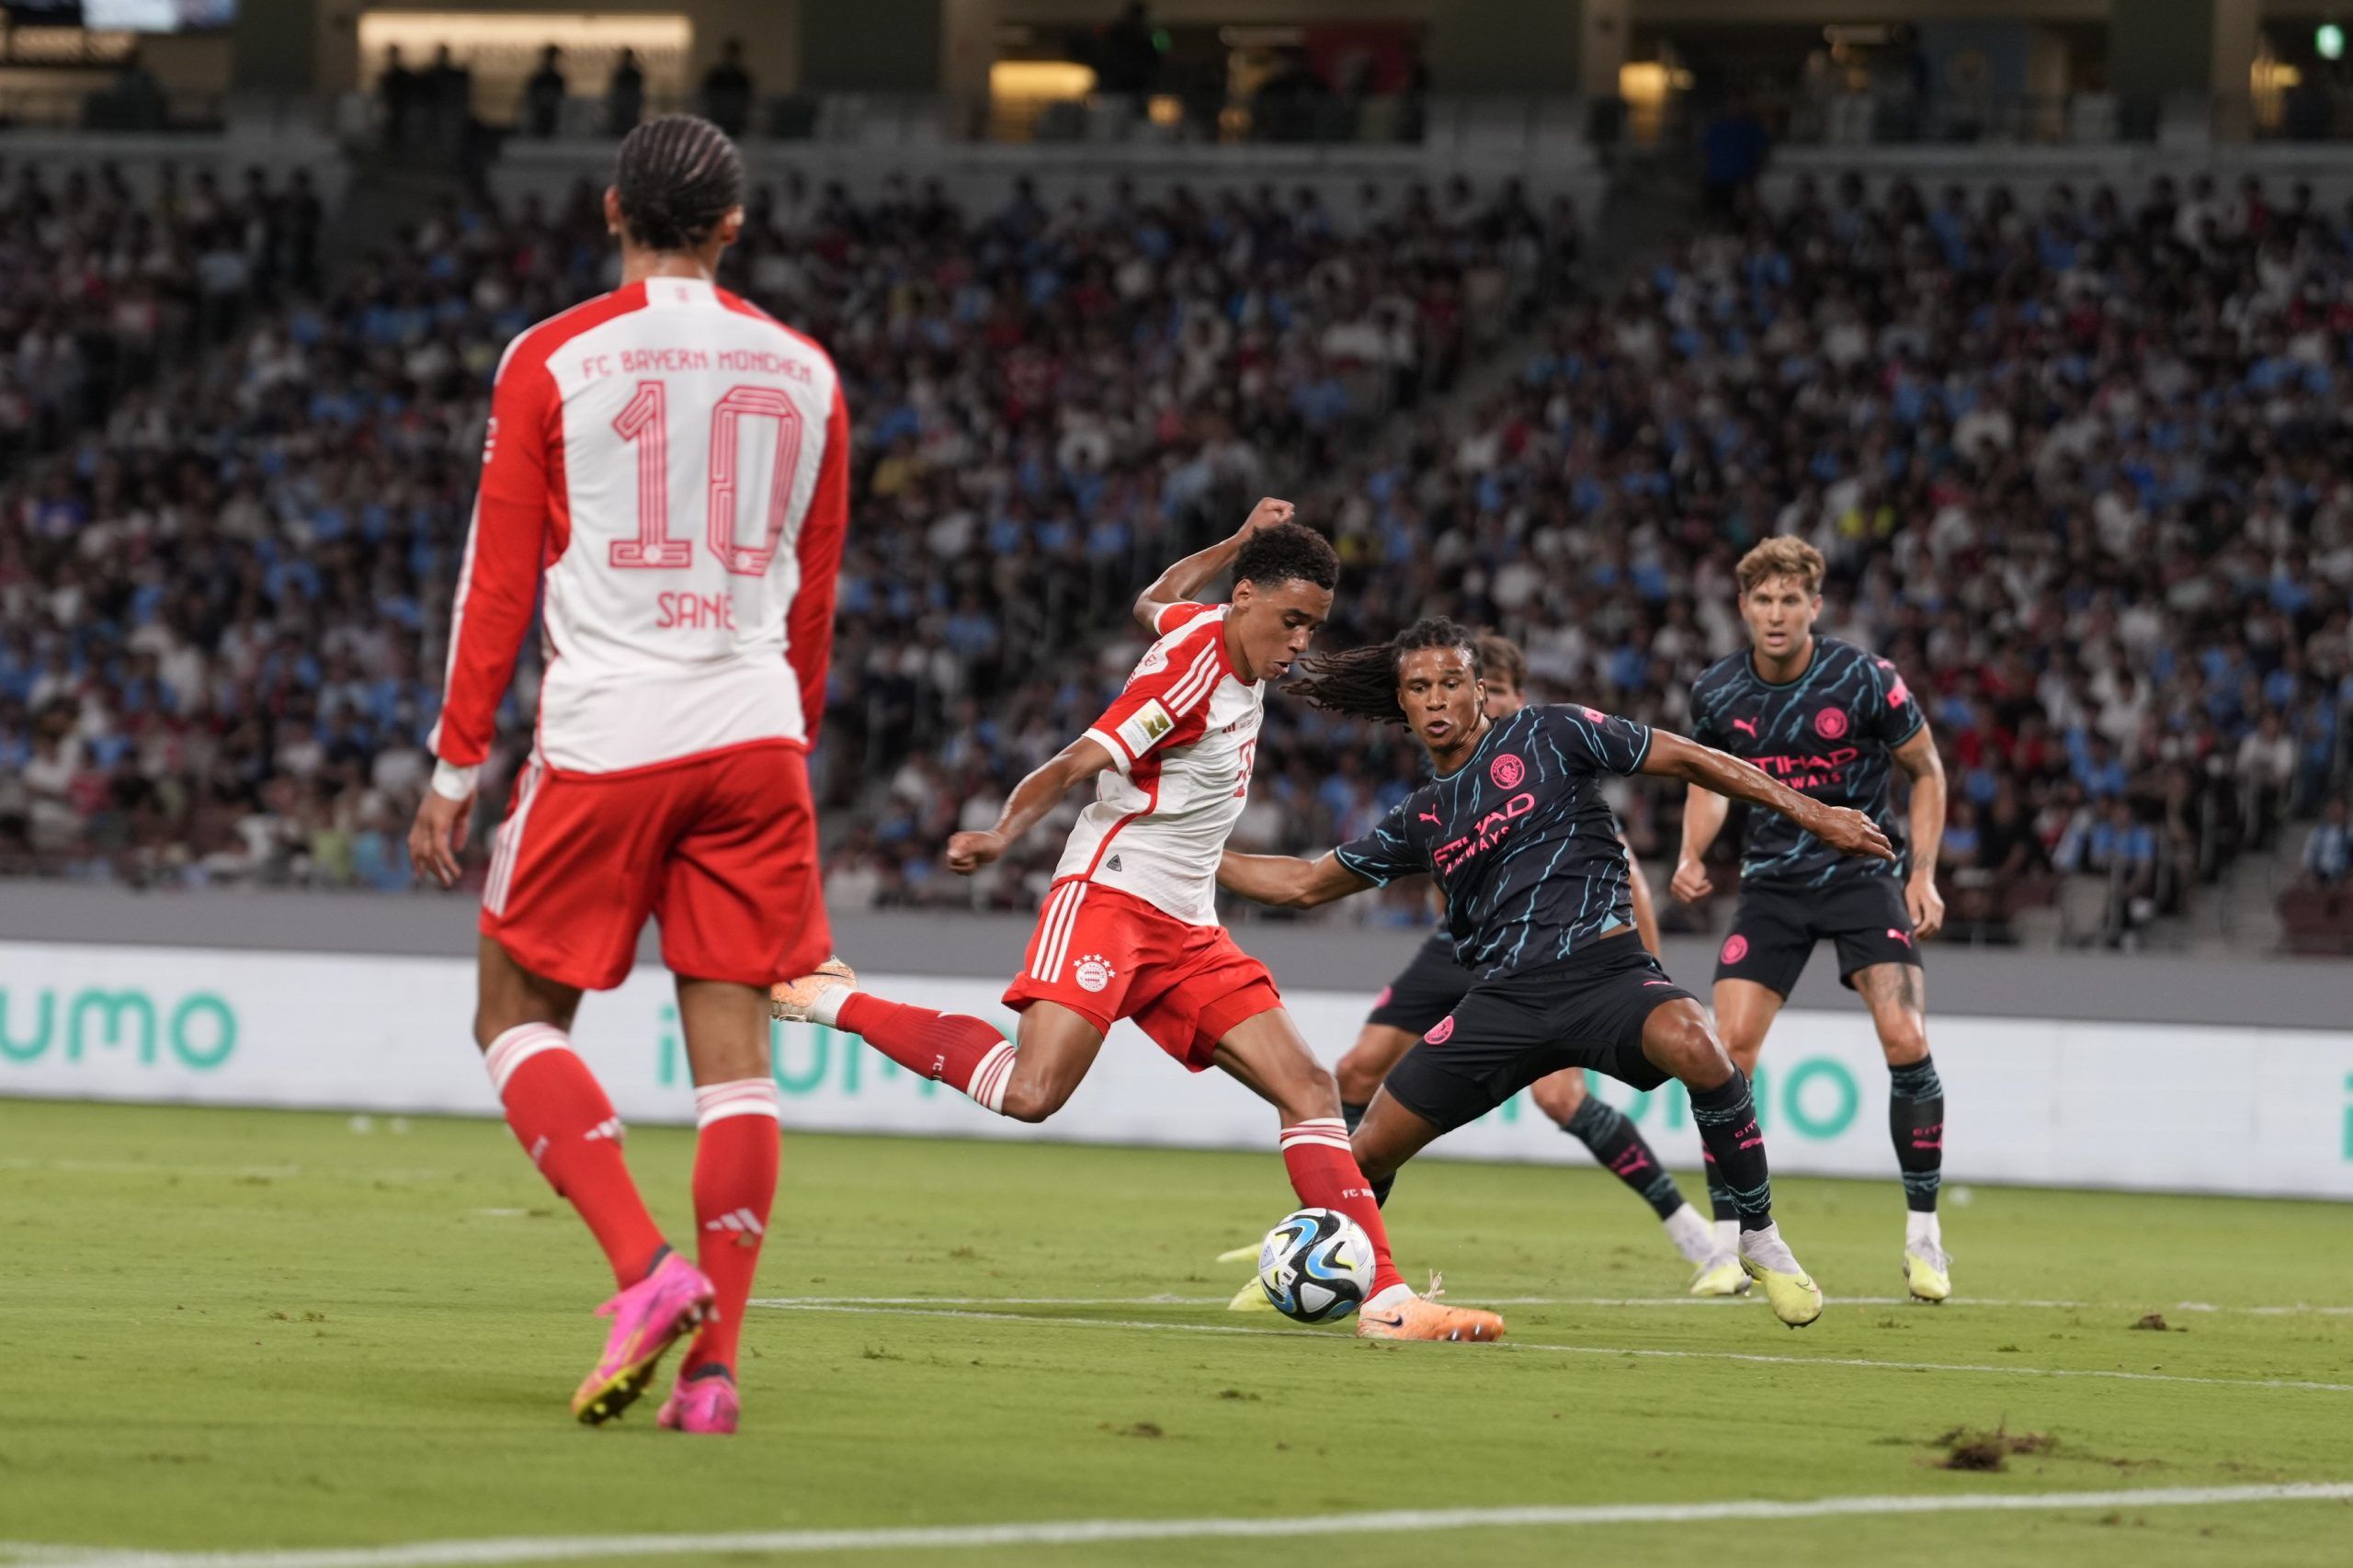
<point>2079,467</point>
<point>2081,470</point>
<point>223,601</point>
<point>99,286</point>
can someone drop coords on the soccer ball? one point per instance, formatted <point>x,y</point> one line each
<point>1316,1266</point>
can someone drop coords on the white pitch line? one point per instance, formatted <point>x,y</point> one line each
<point>1100,1532</point>
<point>1169,1300</point>
<point>1523,1345</point>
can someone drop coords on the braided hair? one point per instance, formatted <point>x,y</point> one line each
<point>678,175</point>
<point>1362,682</point>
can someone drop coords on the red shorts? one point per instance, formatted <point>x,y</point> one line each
<point>1109,955</point>
<point>720,849</point>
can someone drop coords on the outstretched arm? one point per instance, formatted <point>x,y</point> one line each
<point>1918,758</point>
<point>1288,881</point>
<point>1198,570</point>
<point>1841,827</point>
<point>1031,798</point>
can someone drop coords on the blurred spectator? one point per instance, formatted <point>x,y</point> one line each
<point>1128,58</point>
<point>135,100</point>
<point>544,94</point>
<point>2264,769</point>
<point>397,92</point>
<point>2328,851</point>
<point>727,90</point>
<point>625,95</point>
<point>443,121</point>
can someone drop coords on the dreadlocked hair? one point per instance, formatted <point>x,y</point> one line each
<point>678,175</point>
<point>1362,682</point>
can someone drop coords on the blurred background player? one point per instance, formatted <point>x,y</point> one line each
<point>674,464</point>
<point>1130,928</point>
<point>1513,828</point>
<point>1427,989</point>
<point>1826,718</point>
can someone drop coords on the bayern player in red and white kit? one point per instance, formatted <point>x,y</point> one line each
<point>1130,928</point>
<point>670,465</point>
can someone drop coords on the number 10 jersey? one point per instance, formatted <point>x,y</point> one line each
<point>676,463</point>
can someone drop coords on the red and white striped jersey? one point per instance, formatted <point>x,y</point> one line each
<point>675,464</point>
<point>1183,736</point>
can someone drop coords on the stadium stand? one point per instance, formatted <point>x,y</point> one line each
<point>221,640</point>
<point>2074,469</point>
<point>2125,590</point>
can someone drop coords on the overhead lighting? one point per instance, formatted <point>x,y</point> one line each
<point>2328,39</point>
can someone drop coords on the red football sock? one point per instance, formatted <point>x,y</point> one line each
<point>1323,1173</point>
<point>560,1115</point>
<point>736,1151</point>
<point>964,1052</point>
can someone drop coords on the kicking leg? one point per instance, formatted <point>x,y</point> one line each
<point>1679,1041</point>
<point>1029,1081</point>
<point>737,1146</point>
<point>1916,1117</point>
<point>1626,1153</point>
<point>1266,1052</point>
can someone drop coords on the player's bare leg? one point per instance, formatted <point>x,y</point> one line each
<point>1897,997</point>
<point>1625,1154</point>
<point>1363,1065</point>
<point>736,1151</point>
<point>1027,1078</point>
<point>559,1113</point>
<point>1266,1053</point>
<point>1745,1013</point>
<point>1678,1040</point>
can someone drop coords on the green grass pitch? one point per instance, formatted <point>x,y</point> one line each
<point>240,1331</point>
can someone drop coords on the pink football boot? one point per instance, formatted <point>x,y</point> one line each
<point>648,1318</point>
<point>702,1404</point>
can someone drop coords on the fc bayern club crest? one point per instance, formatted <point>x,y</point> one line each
<point>1507,770</point>
<point>1830,723</point>
<point>1093,973</point>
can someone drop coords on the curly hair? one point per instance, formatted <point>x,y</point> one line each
<point>678,175</point>
<point>1286,551</point>
<point>1362,682</point>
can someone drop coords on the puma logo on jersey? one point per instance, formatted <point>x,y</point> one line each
<point>1746,726</point>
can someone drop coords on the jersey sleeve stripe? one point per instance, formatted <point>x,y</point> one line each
<point>1120,757</point>
<point>1195,684</point>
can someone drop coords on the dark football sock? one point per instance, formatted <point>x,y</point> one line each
<point>1617,1143</point>
<point>1352,1112</point>
<point>1720,1204</point>
<point>1915,1118</point>
<point>1727,1120</point>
